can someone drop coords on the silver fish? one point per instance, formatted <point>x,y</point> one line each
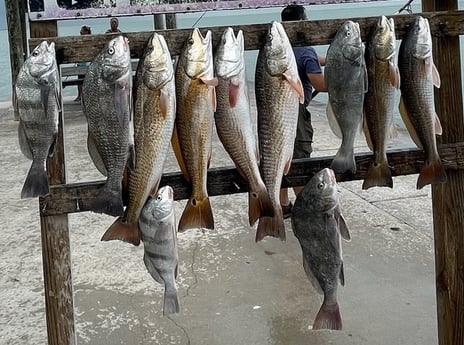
<point>319,225</point>
<point>383,79</point>
<point>192,142</point>
<point>417,107</point>
<point>278,92</point>
<point>233,121</point>
<point>157,224</point>
<point>107,98</point>
<point>155,107</point>
<point>38,97</point>
<point>346,79</point>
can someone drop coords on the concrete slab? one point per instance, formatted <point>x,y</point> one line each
<point>231,289</point>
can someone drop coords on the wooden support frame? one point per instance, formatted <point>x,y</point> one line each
<point>448,199</point>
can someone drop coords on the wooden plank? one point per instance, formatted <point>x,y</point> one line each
<point>314,32</point>
<point>56,252</point>
<point>77,197</point>
<point>448,199</point>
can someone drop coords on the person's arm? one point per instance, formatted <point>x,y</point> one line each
<point>321,59</point>
<point>317,81</point>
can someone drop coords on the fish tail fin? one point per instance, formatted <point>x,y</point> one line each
<point>123,231</point>
<point>378,174</point>
<point>328,317</point>
<point>197,214</point>
<point>171,301</point>
<point>108,202</point>
<point>36,183</point>
<point>343,162</point>
<point>259,205</point>
<point>271,226</point>
<point>433,172</point>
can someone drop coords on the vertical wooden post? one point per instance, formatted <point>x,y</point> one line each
<point>448,199</point>
<point>14,11</point>
<point>160,23</point>
<point>171,21</point>
<point>56,253</point>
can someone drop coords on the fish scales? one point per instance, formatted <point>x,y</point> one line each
<point>38,98</point>
<point>417,108</point>
<point>196,102</point>
<point>383,79</point>
<point>233,121</point>
<point>277,101</point>
<point>154,116</point>
<point>107,97</point>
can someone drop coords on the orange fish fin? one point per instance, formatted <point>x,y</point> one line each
<point>378,174</point>
<point>123,231</point>
<point>328,317</point>
<point>197,214</point>
<point>259,205</point>
<point>178,153</point>
<point>214,99</point>
<point>431,173</point>
<point>271,226</point>
<point>154,189</point>
<point>437,124</point>
<point>409,126</point>
<point>367,133</point>
<point>164,103</point>
<point>210,82</point>
<point>296,84</point>
<point>234,91</point>
<point>435,76</point>
<point>394,75</point>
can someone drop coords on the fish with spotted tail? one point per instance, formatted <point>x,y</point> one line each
<point>233,121</point>
<point>319,226</point>
<point>417,108</point>
<point>107,105</point>
<point>159,235</point>
<point>38,98</point>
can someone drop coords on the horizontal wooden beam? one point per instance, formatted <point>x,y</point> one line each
<point>72,49</point>
<point>77,197</point>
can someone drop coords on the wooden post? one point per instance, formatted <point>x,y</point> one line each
<point>171,21</point>
<point>14,11</point>
<point>56,251</point>
<point>160,23</point>
<point>448,198</point>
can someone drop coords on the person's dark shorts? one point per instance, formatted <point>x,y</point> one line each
<point>304,134</point>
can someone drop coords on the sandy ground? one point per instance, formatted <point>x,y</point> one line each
<point>231,290</point>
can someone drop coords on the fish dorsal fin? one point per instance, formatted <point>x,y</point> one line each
<point>437,124</point>
<point>435,76</point>
<point>333,123</point>
<point>178,153</point>
<point>234,91</point>
<point>394,75</point>
<point>409,126</point>
<point>367,133</point>
<point>295,83</point>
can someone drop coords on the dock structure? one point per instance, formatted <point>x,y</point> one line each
<point>448,198</point>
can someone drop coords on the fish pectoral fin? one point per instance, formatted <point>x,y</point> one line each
<point>344,230</point>
<point>164,103</point>
<point>437,124</point>
<point>95,155</point>
<point>121,103</point>
<point>394,75</point>
<point>234,92</point>
<point>51,149</point>
<point>333,123</point>
<point>435,76</point>
<point>367,133</point>
<point>409,126</point>
<point>151,268</point>
<point>44,94</point>
<point>213,98</point>
<point>211,82</point>
<point>178,153</point>
<point>23,142</point>
<point>296,84</point>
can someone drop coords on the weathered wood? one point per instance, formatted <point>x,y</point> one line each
<point>448,199</point>
<point>16,40</point>
<point>77,197</point>
<point>56,253</point>
<point>159,22</point>
<point>171,21</point>
<point>314,32</point>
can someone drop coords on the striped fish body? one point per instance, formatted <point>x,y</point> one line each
<point>159,235</point>
<point>196,103</point>
<point>154,116</point>
<point>278,92</point>
<point>107,97</point>
<point>233,121</point>
<point>383,78</point>
<point>38,99</point>
<point>417,108</point>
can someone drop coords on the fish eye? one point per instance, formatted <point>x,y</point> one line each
<point>190,41</point>
<point>111,50</point>
<point>35,53</point>
<point>158,197</point>
<point>348,33</point>
<point>269,37</point>
<point>320,185</point>
<point>224,41</point>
